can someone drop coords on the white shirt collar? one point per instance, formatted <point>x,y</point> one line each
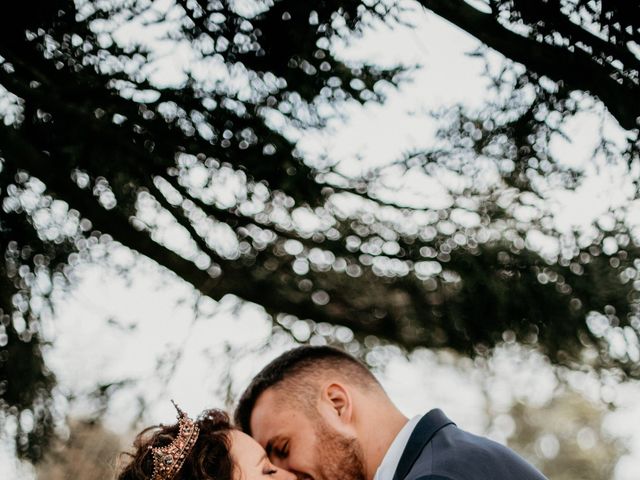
<point>390,462</point>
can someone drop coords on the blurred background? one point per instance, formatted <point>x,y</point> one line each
<point>447,189</point>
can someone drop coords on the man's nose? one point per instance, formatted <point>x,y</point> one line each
<point>284,466</point>
<point>281,463</point>
<point>285,472</point>
<point>285,475</point>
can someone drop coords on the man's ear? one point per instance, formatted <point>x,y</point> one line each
<point>339,400</point>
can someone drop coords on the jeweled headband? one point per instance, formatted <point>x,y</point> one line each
<point>168,460</point>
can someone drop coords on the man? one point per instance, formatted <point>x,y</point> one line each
<point>322,415</point>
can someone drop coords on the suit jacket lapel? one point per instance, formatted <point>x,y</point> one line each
<point>426,428</point>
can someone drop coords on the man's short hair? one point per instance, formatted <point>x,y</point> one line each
<point>297,368</point>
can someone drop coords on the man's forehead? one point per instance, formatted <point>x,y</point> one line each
<point>275,417</point>
<point>266,417</point>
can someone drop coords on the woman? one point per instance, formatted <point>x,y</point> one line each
<point>206,449</point>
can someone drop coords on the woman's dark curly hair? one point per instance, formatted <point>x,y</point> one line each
<point>209,459</point>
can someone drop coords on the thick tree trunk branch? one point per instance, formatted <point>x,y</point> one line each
<point>575,68</point>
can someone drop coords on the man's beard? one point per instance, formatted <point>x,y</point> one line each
<point>339,457</point>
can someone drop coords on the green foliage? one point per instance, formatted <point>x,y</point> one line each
<point>566,438</point>
<point>88,451</point>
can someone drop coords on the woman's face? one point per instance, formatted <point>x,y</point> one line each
<point>251,460</point>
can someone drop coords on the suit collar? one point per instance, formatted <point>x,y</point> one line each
<point>389,463</point>
<point>426,428</point>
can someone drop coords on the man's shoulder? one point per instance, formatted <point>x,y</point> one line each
<point>454,454</point>
<point>453,441</point>
<point>434,477</point>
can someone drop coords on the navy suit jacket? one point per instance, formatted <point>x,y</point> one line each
<point>439,450</point>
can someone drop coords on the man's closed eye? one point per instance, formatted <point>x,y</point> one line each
<point>282,451</point>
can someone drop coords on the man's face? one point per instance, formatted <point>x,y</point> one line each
<point>306,445</point>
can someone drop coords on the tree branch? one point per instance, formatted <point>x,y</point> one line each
<point>576,69</point>
<point>237,279</point>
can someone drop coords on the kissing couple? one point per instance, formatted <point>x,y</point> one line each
<point>317,413</point>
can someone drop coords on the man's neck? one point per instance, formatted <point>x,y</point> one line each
<point>378,437</point>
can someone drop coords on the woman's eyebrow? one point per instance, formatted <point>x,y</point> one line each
<point>262,459</point>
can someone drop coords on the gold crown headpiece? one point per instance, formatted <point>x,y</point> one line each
<point>168,460</point>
